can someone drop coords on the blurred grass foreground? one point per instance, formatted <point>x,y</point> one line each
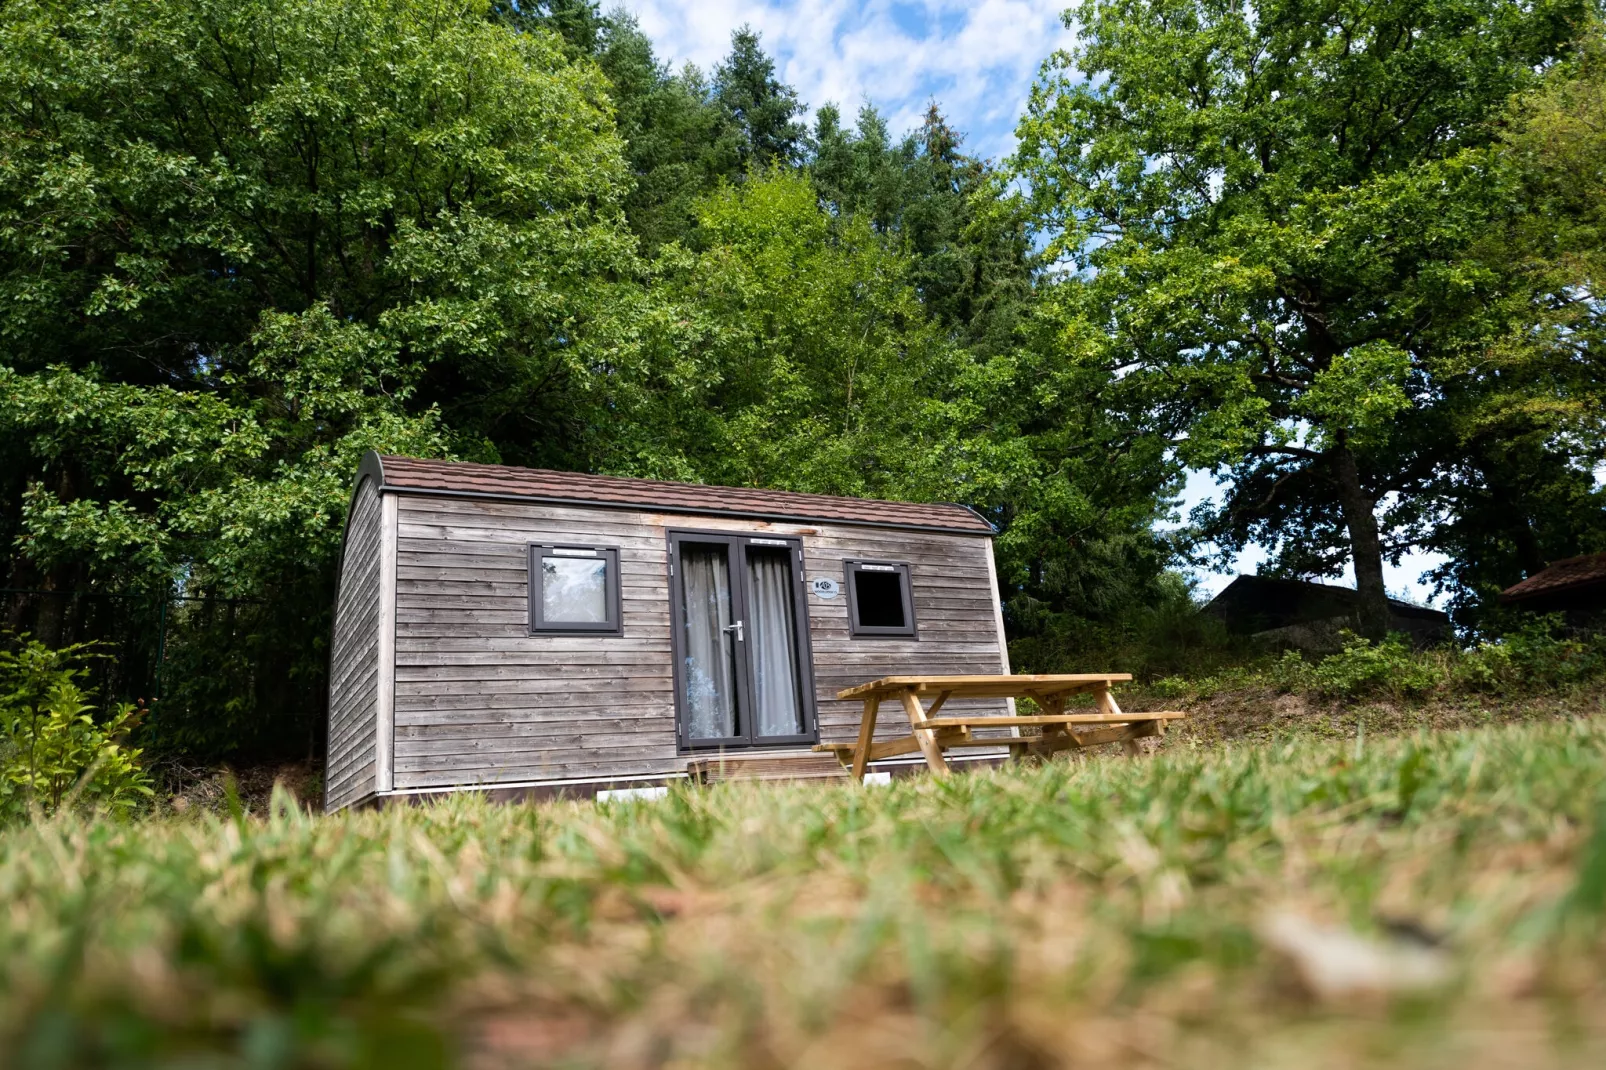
<point>1423,902</point>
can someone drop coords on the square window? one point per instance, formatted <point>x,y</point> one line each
<point>879,599</point>
<point>574,589</point>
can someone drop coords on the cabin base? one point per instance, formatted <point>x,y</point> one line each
<point>724,767</point>
<point>808,767</point>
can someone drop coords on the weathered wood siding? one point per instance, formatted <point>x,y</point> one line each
<point>480,700</point>
<point>354,657</point>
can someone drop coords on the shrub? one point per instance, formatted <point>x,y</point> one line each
<point>53,751</point>
<point>1170,687</point>
<point>1536,654</point>
<point>1291,673</point>
<point>1367,668</point>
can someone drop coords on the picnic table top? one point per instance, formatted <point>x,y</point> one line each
<point>999,685</point>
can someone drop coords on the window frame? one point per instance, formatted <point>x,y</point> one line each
<point>906,590</point>
<point>539,625</point>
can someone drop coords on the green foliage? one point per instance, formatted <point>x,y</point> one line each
<point>1537,654</point>
<point>760,112</point>
<point>53,750</point>
<point>242,243</point>
<point>804,360</point>
<point>971,259</point>
<point>1364,668</point>
<point>684,131</point>
<point>1274,222</point>
<point>1123,621</point>
<point>1524,493</point>
<point>753,925</point>
<point>1533,656</point>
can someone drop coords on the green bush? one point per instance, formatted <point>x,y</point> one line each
<point>1534,655</point>
<point>1170,687</point>
<point>53,752</point>
<point>1366,668</point>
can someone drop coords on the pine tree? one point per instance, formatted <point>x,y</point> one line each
<point>759,111</point>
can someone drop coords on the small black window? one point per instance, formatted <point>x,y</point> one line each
<point>574,589</point>
<point>879,602</point>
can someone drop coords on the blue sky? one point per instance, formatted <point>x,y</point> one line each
<point>1403,580</point>
<point>976,59</point>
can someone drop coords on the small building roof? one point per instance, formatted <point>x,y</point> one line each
<point>463,479</point>
<point>1569,575</point>
<point>1286,600</point>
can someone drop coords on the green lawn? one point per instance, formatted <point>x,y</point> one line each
<point>1413,902</point>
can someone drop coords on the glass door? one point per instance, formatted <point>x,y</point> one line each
<point>741,659</point>
<point>707,626</point>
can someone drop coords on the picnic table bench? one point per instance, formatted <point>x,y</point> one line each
<point>930,735</point>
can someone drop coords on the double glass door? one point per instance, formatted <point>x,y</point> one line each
<point>741,670</point>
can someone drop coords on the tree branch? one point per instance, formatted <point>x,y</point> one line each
<point>1286,451</point>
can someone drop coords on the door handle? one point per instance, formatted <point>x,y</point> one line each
<point>737,628</point>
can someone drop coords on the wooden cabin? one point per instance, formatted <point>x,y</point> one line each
<point>1302,615</point>
<point>533,633</point>
<point>1574,587</point>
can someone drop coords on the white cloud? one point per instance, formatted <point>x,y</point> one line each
<point>977,59</point>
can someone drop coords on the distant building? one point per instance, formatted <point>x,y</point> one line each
<point>1309,616</point>
<point>1575,586</point>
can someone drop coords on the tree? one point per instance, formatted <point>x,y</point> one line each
<point>1531,440</point>
<point>242,242</point>
<point>1268,210</point>
<point>761,114</point>
<point>684,134</point>
<point>671,126</point>
<point>795,353</point>
<point>972,261</point>
<point>578,22</point>
<point>1081,568</point>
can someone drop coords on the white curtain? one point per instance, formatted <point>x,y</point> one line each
<point>771,642</point>
<point>710,680</point>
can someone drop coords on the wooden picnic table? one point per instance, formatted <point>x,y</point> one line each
<point>930,735</point>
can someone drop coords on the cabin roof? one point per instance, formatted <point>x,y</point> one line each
<point>1289,600</point>
<point>463,479</point>
<point>1568,574</point>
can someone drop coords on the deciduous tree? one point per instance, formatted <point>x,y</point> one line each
<point>1269,211</point>
<point>241,242</point>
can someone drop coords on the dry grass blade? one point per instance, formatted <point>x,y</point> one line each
<point>1094,913</point>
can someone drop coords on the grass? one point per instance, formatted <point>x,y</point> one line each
<point>1096,913</point>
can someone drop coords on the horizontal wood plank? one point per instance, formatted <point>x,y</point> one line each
<point>489,702</point>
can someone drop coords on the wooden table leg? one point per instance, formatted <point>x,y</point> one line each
<point>861,753</point>
<point>1140,730</point>
<point>924,736</point>
<point>1107,704</point>
<point>1054,736</point>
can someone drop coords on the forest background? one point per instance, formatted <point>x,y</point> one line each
<point>1342,254</point>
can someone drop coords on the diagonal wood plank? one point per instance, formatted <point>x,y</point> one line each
<point>861,754</point>
<point>924,736</point>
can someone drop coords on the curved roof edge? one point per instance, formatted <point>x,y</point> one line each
<point>463,479</point>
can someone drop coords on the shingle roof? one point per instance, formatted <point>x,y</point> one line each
<point>411,474</point>
<point>1570,572</point>
<point>1289,596</point>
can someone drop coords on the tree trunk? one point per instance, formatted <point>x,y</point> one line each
<point>1366,545</point>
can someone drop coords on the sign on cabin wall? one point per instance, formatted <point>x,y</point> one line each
<point>825,587</point>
